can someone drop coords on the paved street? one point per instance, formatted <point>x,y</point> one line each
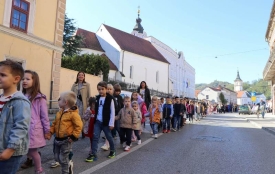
<point>223,143</point>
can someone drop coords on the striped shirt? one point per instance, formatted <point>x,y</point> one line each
<point>4,100</point>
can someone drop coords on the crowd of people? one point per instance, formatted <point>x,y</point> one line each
<point>25,125</point>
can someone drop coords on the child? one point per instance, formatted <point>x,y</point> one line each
<point>198,111</point>
<point>183,118</point>
<point>40,124</point>
<point>89,118</point>
<point>128,119</point>
<point>154,114</point>
<point>104,119</point>
<point>15,119</point>
<point>178,112</point>
<point>168,113</point>
<point>120,105</point>
<point>67,127</point>
<point>136,127</point>
<point>191,111</point>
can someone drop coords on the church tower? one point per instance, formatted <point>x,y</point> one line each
<point>238,83</point>
<point>138,29</point>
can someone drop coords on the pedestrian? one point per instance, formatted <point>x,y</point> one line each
<point>14,120</point>
<point>191,110</point>
<point>183,117</point>
<point>120,105</point>
<point>82,90</point>
<point>154,115</point>
<point>178,112</point>
<point>136,127</point>
<point>89,118</point>
<point>167,113</point>
<point>110,90</point>
<point>128,119</point>
<point>198,111</point>
<point>262,105</point>
<point>144,91</point>
<point>40,124</point>
<point>67,127</point>
<point>105,119</point>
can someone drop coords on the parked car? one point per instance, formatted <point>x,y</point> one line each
<point>244,109</point>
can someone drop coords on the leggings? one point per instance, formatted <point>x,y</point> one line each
<point>137,134</point>
<point>33,152</point>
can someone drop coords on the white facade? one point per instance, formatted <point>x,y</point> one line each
<point>212,94</point>
<point>243,98</point>
<point>181,74</point>
<point>154,72</point>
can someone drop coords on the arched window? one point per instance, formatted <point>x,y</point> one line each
<point>131,71</point>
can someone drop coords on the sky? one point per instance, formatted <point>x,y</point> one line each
<point>217,37</point>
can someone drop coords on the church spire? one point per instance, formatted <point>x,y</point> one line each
<point>238,76</point>
<point>138,26</point>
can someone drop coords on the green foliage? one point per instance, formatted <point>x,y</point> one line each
<point>71,42</point>
<point>222,99</point>
<point>88,63</point>
<point>259,86</point>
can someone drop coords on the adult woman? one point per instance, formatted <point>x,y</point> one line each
<point>82,90</point>
<point>145,93</point>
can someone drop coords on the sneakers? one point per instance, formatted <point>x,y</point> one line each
<point>164,131</point>
<point>156,136</point>
<point>91,158</point>
<point>27,164</point>
<point>174,130</point>
<point>127,148</point>
<point>105,147</point>
<point>71,165</point>
<point>112,154</point>
<point>168,131</point>
<point>55,164</point>
<point>123,145</point>
<point>139,142</point>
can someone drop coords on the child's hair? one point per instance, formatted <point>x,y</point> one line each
<point>15,68</point>
<point>35,88</point>
<point>92,100</point>
<point>117,87</point>
<point>102,84</point>
<point>154,98</point>
<point>110,86</point>
<point>76,81</point>
<point>132,95</point>
<point>134,103</point>
<point>70,97</point>
<point>176,97</point>
<point>127,98</point>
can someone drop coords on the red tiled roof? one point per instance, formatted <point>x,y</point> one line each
<point>215,89</point>
<point>111,64</point>
<point>135,44</point>
<point>90,40</point>
<point>240,94</point>
<point>197,92</point>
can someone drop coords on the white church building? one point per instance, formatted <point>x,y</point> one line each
<point>136,57</point>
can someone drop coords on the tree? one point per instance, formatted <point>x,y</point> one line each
<point>88,63</point>
<point>71,42</point>
<point>222,99</point>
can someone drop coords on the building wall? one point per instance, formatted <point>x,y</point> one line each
<point>144,69</point>
<point>68,77</point>
<point>212,95</point>
<point>189,77</point>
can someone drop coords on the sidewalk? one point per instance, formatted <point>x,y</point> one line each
<point>267,124</point>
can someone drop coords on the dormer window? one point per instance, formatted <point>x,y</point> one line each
<point>19,15</point>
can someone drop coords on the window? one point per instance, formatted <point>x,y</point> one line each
<point>19,15</point>
<point>207,96</point>
<point>131,71</point>
<point>157,77</point>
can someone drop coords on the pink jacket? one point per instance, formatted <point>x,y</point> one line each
<point>40,123</point>
<point>143,108</point>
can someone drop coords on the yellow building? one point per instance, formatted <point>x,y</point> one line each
<point>31,32</point>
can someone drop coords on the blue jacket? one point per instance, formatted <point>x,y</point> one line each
<point>167,110</point>
<point>14,124</point>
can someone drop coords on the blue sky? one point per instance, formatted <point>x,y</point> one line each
<point>202,29</point>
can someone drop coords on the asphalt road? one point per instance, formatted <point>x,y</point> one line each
<point>218,144</point>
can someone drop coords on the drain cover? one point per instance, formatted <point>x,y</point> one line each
<point>209,138</point>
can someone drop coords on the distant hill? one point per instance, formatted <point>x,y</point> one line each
<point>259,86</point>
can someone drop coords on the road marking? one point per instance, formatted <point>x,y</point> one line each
<point>109,161</point>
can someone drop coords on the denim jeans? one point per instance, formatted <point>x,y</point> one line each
<point>166,123</point>
<point>198,116</point>
<point>263,113</point>
<point>11,165</point>
<point>62,150</point>
<point>98,127</point>
<point>125,135</point>
<point>154,127</point>
<point>177,121</point>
